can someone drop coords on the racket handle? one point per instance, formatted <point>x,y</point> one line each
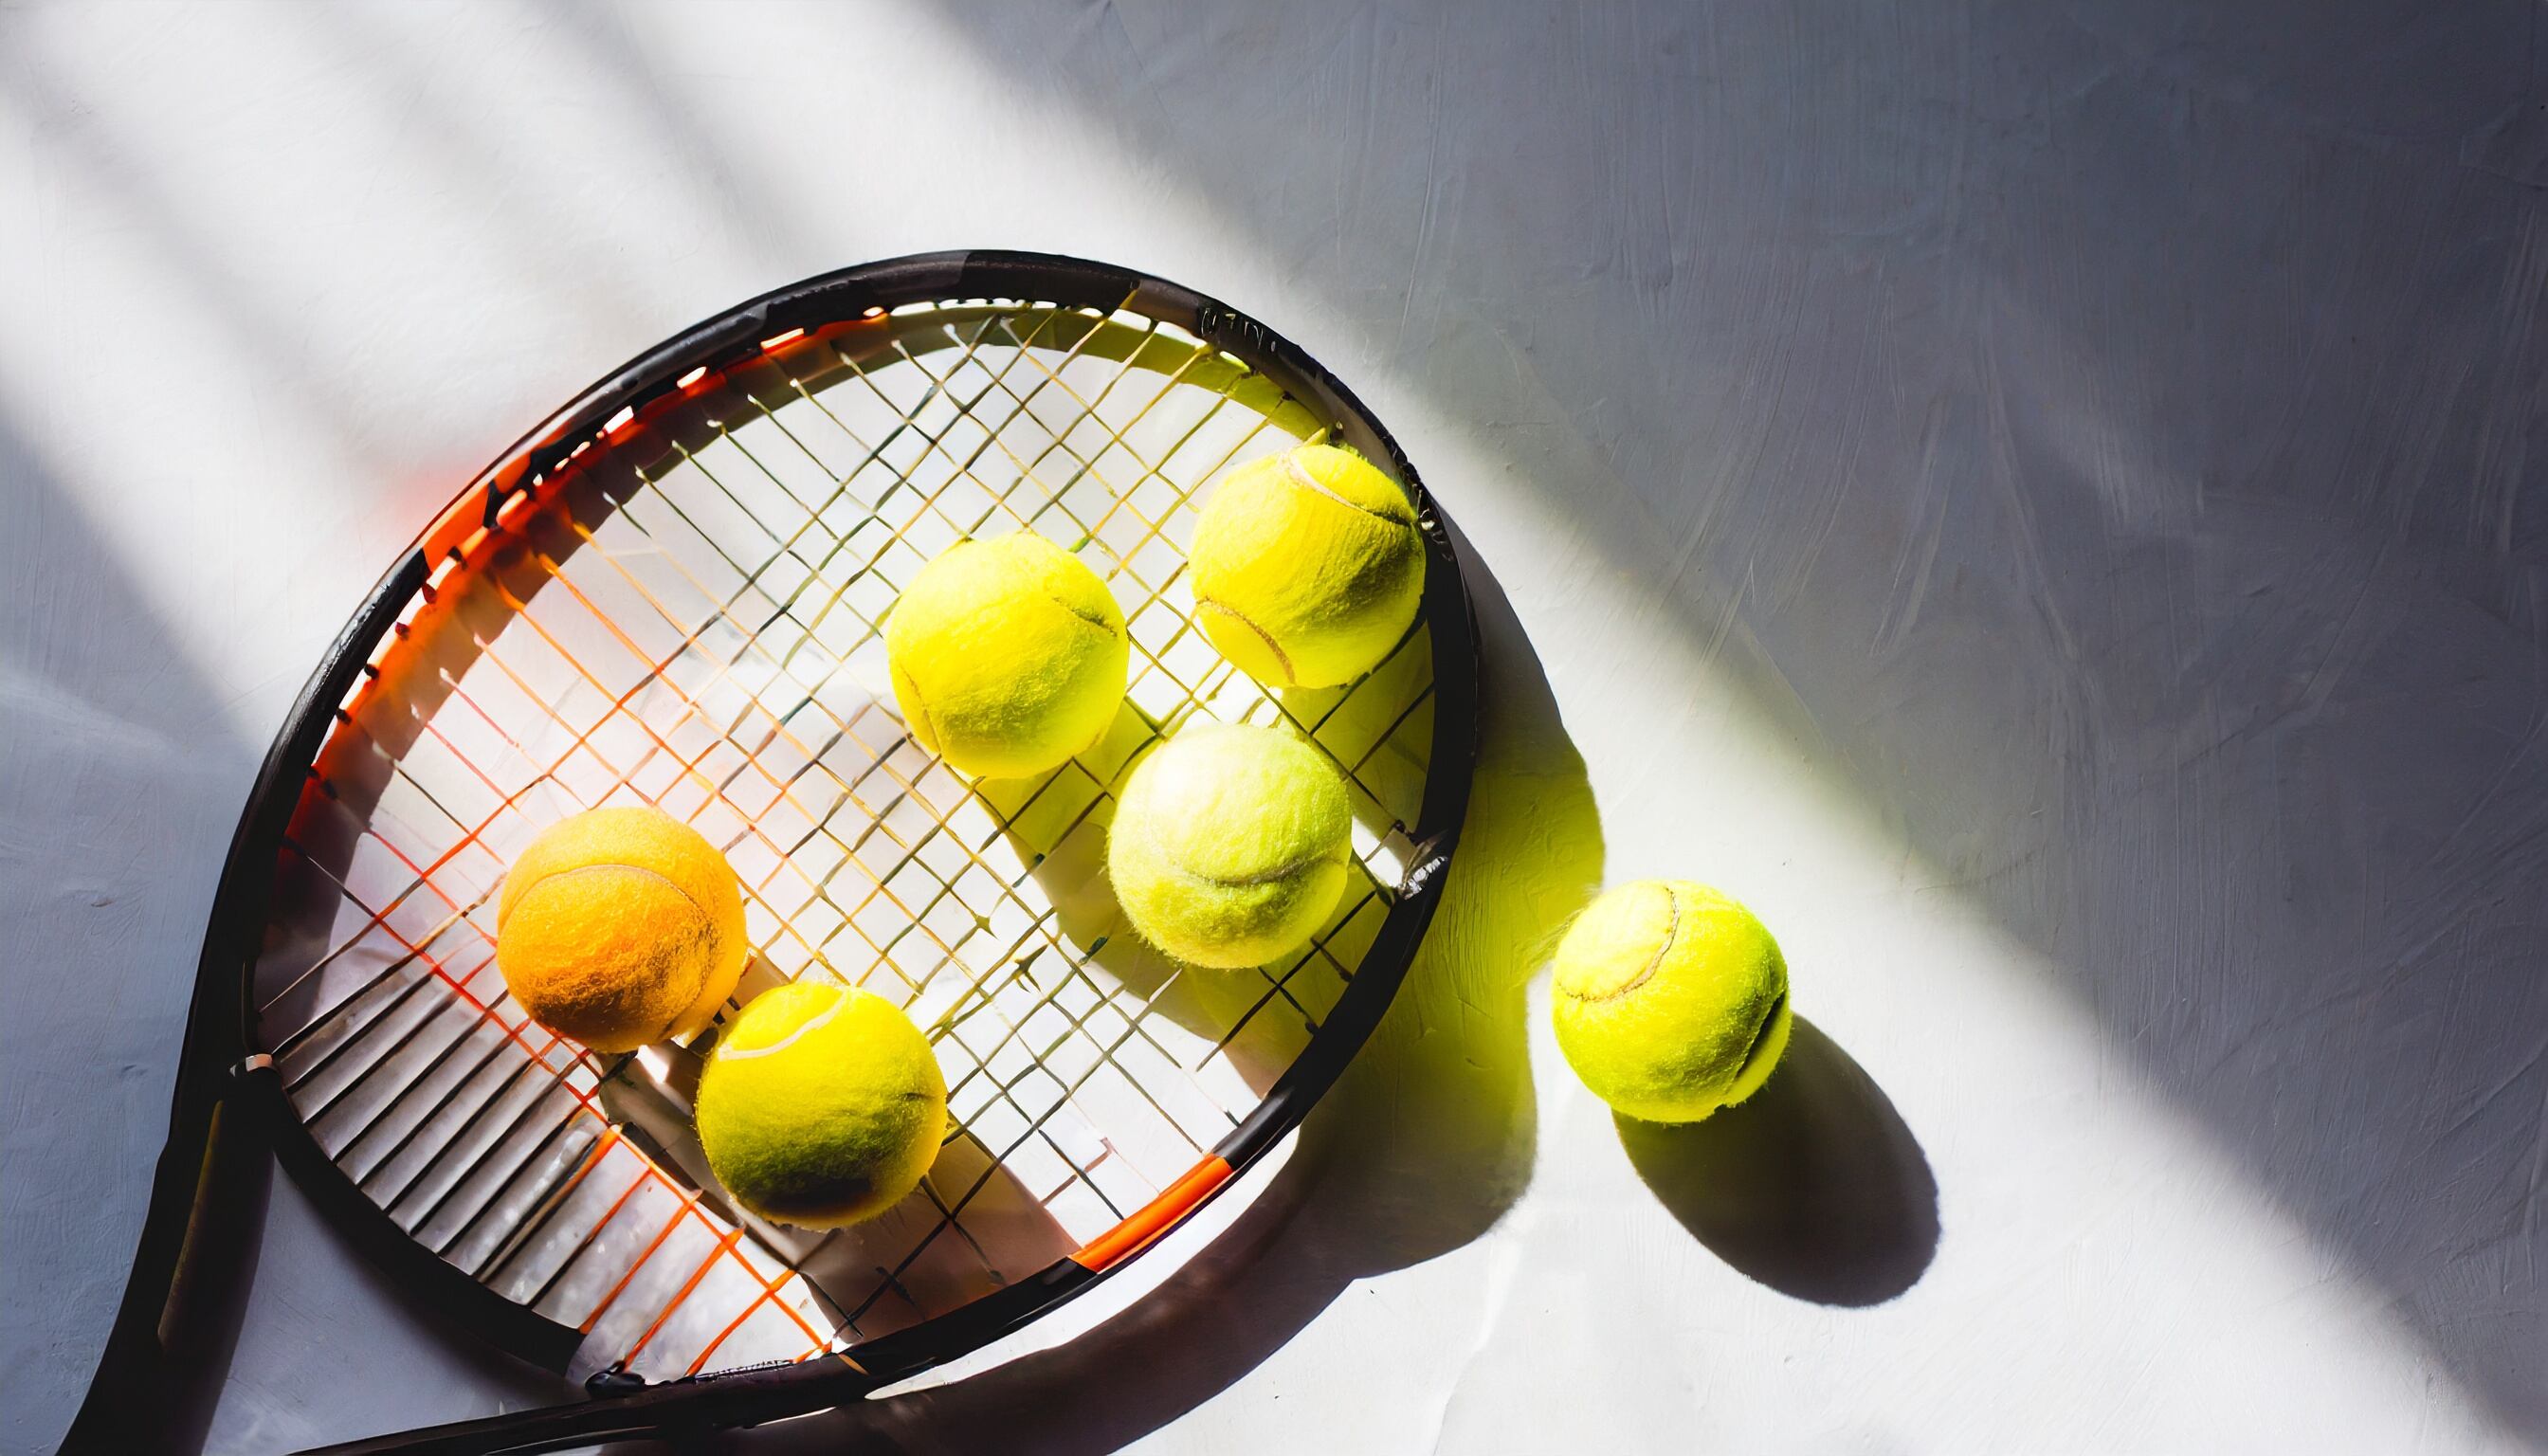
<point>161,1370</point>
<point>677,1407</point>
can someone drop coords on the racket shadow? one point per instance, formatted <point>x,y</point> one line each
<point>1253,1020</point>
<point>884,1274</point>
<point>1424,1143</point>
<point>1057,825</point>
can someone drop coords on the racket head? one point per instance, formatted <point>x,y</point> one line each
<point>669,593</point>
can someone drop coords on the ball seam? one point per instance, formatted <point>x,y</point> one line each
<point>1099,620</point>
<point>1299,475</point>
<point>678,887</point>
<point>819,1019</point>
<point>1760,1034</point>
<point>707,922</point>
<point>1290,868</point>
<point>932,741</point>
<point>1291,675</point>
<point>1672,933</point>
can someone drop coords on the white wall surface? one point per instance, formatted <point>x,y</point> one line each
<point>2037,497</point>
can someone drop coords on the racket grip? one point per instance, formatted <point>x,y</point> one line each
<point>678,1408</point>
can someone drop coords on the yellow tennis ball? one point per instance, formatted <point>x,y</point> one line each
<point>1229,845</point>
<point>620,927</point>
<point>1008,656</point>
<point>820,1106</point>
<point>1307,566</point>
<point>1671,1000</point>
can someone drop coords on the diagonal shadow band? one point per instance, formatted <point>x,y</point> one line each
<point>96,695</point>
<point>2121,480</point>
<point>1813,1187</point>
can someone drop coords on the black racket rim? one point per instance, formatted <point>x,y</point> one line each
<point>221,1066</point>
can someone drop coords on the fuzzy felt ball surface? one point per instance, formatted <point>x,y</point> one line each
<point>1008,656</point>
<point>1671,1000</point>
<point>1307,566</point>
<point>821,1106</point>
<point>1231,844</point>
<point>618,927</point>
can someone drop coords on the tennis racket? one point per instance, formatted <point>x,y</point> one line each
<point>671,594</point>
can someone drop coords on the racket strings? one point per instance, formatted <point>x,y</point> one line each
<point>731,721</point>
<point>754,632</point>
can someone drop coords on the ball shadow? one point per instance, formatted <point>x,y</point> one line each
<point>1422,1147</point>
<point>1814,1187</point>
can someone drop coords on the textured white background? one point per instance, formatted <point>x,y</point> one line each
<point>2044,499</point>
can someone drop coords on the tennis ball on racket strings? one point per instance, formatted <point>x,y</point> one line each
<point>1671,1000</point>
<point>1307,566</point>
<point>820,1106</point>
<point>620,927</point>
<point>1229,845</point>
<point>1008,656</point>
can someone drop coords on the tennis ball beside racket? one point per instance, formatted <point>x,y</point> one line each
<point>620,927</point>
<point>821,1106</point>
<point>1307,566</point>
<point>1671,1000</point>
<point>1229,845</point>
<point>1008,656</point>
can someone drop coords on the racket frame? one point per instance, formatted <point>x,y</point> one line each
<point>225,1089</point>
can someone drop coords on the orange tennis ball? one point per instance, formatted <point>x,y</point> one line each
<point>620,927</point>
